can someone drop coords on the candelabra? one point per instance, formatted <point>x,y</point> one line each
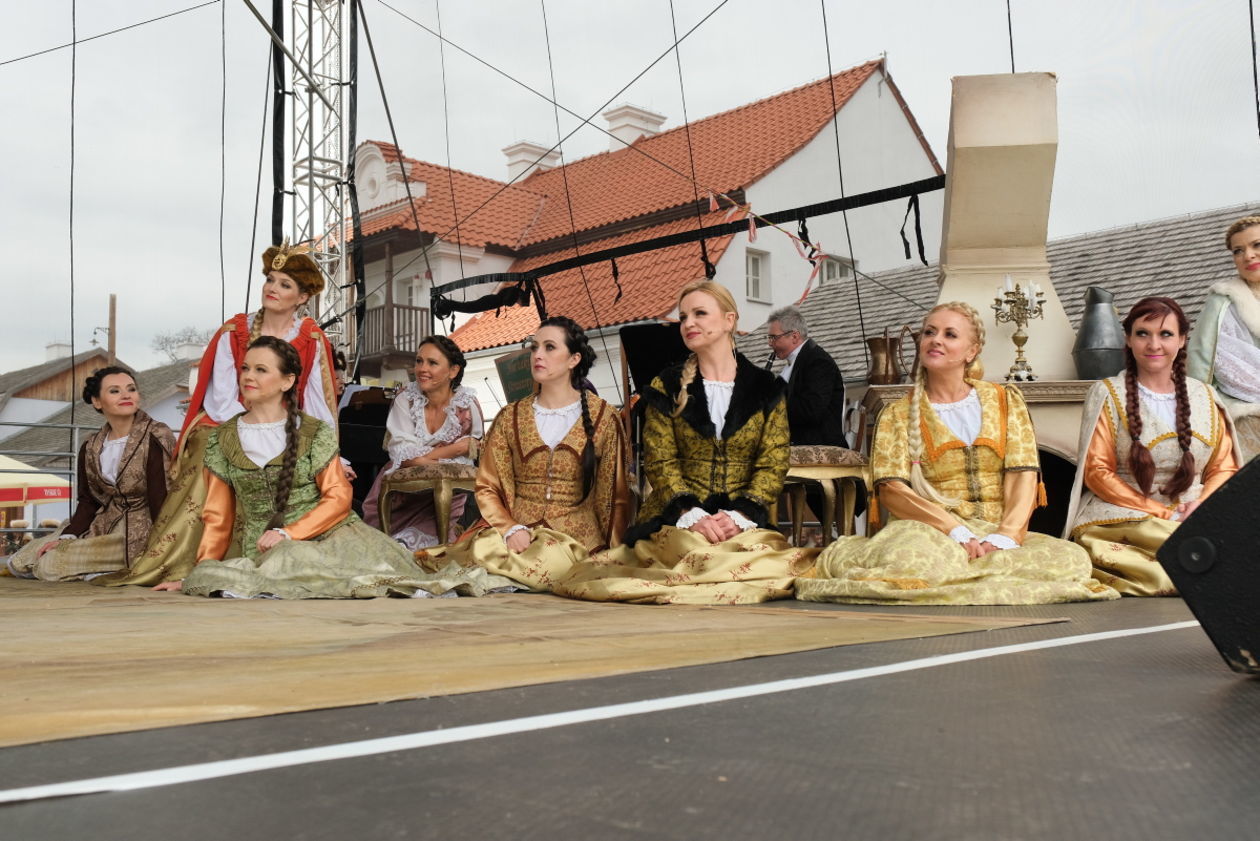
<point>1018,305</point>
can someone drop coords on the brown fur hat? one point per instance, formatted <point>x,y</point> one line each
<point>297,263</point>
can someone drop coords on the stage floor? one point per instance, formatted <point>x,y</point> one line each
<point>1066,730</point>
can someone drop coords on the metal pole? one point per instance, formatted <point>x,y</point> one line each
<point>113,331</point>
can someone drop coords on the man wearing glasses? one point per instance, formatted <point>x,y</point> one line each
<point>815,389</point>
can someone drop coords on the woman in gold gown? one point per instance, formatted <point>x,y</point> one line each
<point>551,483</point>
<point>715,447</point>
<point>1154,444</point>
<point>956,469</point>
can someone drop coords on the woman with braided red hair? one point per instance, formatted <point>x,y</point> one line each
<point>1154,444</point>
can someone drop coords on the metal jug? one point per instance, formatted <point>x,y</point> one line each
<point>885,360</point>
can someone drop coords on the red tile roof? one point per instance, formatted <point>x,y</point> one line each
<point>732,151</point>
<point>649,282</point>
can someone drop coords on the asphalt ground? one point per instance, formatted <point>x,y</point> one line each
<point>1055,731</point>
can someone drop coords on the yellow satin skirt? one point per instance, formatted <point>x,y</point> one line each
<point>1123,555</point>
<point>909,562</point>
<point>549,557</point>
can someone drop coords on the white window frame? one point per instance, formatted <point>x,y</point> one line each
<point>835,270</point>
<point>757,285</point>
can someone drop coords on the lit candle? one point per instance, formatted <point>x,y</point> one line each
<point>1010,287</point>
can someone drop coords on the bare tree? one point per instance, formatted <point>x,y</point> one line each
<point>170,343</point>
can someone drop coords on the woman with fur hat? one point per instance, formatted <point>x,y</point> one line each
<point>1224,350</point>
<point>293,278</point>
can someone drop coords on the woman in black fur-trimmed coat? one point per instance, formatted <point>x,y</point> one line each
<point>715,455</point>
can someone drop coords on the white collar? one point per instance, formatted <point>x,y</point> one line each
<point>1239,292</point>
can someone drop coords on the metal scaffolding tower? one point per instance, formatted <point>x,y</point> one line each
<point>320,196</point>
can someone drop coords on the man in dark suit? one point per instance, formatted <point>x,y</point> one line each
<point>815,387</point>
<point>815,391</point>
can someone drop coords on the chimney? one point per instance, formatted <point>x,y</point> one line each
<point>521,156</point>
<point>56,350</point>
<point>189,351</point>
<point>627,123</point>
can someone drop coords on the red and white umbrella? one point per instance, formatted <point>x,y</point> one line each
<point>30,486</point>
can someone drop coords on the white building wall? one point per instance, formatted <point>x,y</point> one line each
<point>879,150</point>
<point>483,377</point>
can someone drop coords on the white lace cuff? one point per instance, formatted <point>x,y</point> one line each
<point>961,534</point>
<point>514,530</point>
<point>740,520</point>
<point>691,517</point>
<point>68,537</point>
<point>1001,541</point>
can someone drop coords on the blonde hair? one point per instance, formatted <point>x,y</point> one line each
<point>726,303</point>
<point>914,434</point>
<point>1240,225</point>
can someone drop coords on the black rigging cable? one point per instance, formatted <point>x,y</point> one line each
<point>222,159</point>
<point>1010,34</point>
<point>835,128</point>
<point>262,146</point>
<point>103,34</point>
<point>402,161</point>
<point>277,125</point>
<point>583,121</point>
<point>74,59</point>
<point>709,269</point>
<point>568,199</point>
<point>446,130</point>
<point>1255,74</point>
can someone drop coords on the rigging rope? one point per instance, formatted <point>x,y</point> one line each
<point>74,60</point>
<point>709,269</point>
<point>568,199</point>
<point>446,129</point>
<point>402,163</point>
<point>262,146</point>
<point>73,42</point>
<point>1010,34</point>
<point>222,159</point>
<point>835,128</point>
<point>583,121</point>
<point>1255,74</point>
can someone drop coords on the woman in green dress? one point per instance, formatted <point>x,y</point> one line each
<point>277,514</point>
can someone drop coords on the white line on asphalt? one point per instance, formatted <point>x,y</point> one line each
<point>429,738</point>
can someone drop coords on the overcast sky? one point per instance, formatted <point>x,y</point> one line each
<point>1156,118</point>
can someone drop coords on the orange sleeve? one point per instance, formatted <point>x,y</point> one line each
<point>904,504</point>
<point>335,495</point>
<point>1101,477</point>
<point>1019,498</point>
<point>1222,464</point>
<point>218,515</point>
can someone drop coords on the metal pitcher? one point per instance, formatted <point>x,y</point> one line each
<point>885,360</point>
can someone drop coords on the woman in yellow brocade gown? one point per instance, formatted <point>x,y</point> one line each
<point>715,454</point>
<point>1154,444</point>
<point>551,483</point>
<point>956,468</point>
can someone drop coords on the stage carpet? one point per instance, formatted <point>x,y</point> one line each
<point>82,660</point>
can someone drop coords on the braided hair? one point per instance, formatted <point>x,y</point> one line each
<point>454,356</point>
<point>92,385</point>
<point>1239,225</point>
<point>1140,462</point>
<point>576,341</point>
<point>289,363</point>
<point>914,434</point>
<point>726,303</point>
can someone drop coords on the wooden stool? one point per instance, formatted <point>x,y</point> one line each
<point>831,468</point>
<point>442,478</point>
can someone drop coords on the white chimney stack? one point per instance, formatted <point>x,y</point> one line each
<point>522,156</point>
<point>627,123</point>
<point>56,350</point>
